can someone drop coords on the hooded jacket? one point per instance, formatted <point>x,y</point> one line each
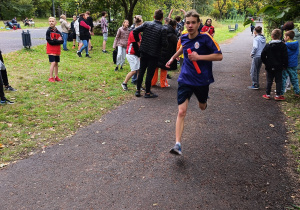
<point>274,56</point>
<point>53,44</point>
<point>64,26</point>
<point>259,42</point>
<point>293,52</point>
<point>121,37</point>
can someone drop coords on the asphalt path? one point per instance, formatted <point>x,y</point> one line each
<point>232,157</point>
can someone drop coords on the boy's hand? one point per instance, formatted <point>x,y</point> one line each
<point>168,64</point>
<point>59,38</point>
<point>193,56</point>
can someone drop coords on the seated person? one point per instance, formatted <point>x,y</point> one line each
<point>15,23</point>
<point>26,22</point>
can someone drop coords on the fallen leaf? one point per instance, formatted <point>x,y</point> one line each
<point>1,146</point>
<point>272,126</point>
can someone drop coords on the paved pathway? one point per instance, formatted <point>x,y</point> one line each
<point>233,158</point>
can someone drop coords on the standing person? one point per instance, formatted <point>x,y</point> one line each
<point>166,54</point>
<point>4,76</point>
<point>65,27</point>
<point>133,54</point>
<point>275,58</point>
<point>90,21</point>
<point>205,50</point>
<point>121,43</point>
<point>104,26</point>
<point>76,26</point>
<point>84,31</point>
<point>291,71</point>
<point>208,27</point>
<point>3,99</point>
<point>259,43</point>
<point>73,31</point>
<point>154,38</point>
<point>54,40</point>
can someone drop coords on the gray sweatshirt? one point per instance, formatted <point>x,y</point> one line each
<point>259,43</point>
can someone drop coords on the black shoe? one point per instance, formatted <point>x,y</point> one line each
<point>168,76</point>
<point>121,68</point>
<point>116,69</point>
<point>104,51</point>
<point>124,86</point>
<point>79,54</point>
<point>9,88</point>
<point>138,93</point>
<point>150,95</point>
<point>88,56</point>
<point>6,102</point>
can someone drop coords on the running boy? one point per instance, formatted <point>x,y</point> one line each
<point>275,58</point>
<point>54,40</point>
<point>293,52</point>
<point>204,50</point>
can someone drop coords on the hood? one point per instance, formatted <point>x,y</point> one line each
<point>61,20</point>
<point>261,38</point>
<point>293,45</point>
<point>275,41</point>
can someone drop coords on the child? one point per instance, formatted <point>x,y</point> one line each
<point>259,43</point>
<point>133,54</point>
<point>205,50</point>
<point>275,58</point>
<point>54,40</point>
<point>104,26</point>
<point>293,51</point>
<point>121,43</point>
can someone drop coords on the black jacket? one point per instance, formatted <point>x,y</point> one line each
<point>84,32</point>
<point>275,56</point>
<point>170,50</point>
<point>153,39</point>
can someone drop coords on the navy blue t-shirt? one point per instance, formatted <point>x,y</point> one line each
<point>203,44</point>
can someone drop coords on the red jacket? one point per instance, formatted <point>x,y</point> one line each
<point>132,45</point>
<point>53,44</point>
<point>209,29</point>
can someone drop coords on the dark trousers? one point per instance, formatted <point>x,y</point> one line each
<point>4,77</point>
<point>2,96</point>
<point>148,63</point>
<point>278,80</point>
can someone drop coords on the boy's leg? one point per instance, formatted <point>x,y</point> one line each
<point>269,82</point>
<point>56,69</point>
<point>163,78</point>
<point>285,75</point>
<point>2,95</point>
<point>182,108</point>
<point>278,81</point>
<point>152,64</point>
<point>294,79</point>
<point>52,66</point>
<point>4,77</point>
<point>119,56</point>
<point>154,78</point>
<point>128,76</point>
<point>123,56</point>
<point>143,66</point>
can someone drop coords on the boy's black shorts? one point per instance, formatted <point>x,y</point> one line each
<point>186,91</point>
<point>54,58</point>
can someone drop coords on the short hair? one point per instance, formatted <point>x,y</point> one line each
<point>103,13</point>
<point>288,26</point>
<point>158,15</point>
<point>290,34</point>
<point>82,14</point>
<point>193,13</point>
<point>88,12</point>
<point>276,33</point>
<point>52,18</point>
<point>172,23</point>
<point>138,19</point>
<point>178,18</point>
<point>124,22</point>
<point>207,20</point>
<point>258,29</point>
<point>63,17</point>
<point>167,20</point>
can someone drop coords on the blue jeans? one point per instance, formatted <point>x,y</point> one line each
<point>85,46</point>
<point>65,38</point>
<point>292,72</point>
<point>134,78</point>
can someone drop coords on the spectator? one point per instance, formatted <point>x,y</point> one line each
<point>3,100</point>
<point>104,26</point>
<point>73,32</point>
<point>154,38</point>
<point>121,43</point>
<point>4,76</point>
<point>76,26</point>
<point>90,21</point>
<point>65,27</point>
<point>15,23</point>
<point>208,27</point>
<point>84,31</point>
<point>26,22</point>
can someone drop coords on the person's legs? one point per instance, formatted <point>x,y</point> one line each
<point>152,64</point>
<point>254,71</point>
<point>65,38</point>
<point>163,78</point>
<point>105,36</point>
<point>278,81</point>
<point>74,43</point>
<point>155,77</point>
<point>4,77</point>
<point>294,79</point>
<point>285,75</point>
<point>2,95</point>
<point>143,67</point>
<point>182,108</point>
<point>270,77</point>
<point>85,45</point>
<point>119,56</point>
<point>128,76</point>
<point>123,56</point>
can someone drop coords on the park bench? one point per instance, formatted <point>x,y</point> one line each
<point>233,29</point>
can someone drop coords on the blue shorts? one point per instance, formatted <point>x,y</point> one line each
<point>53,58</point>
<point>186,91</point>
<point>105,36</point>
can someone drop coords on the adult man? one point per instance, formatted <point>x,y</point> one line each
<point>104,26</point>
<point>15,23</point>
<point>90,21</point>
<point>205,50</point>
<point>154,38</point>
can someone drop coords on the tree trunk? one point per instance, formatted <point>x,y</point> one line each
<point>129,11</point>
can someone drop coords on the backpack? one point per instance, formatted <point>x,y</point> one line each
<point>115,53</point>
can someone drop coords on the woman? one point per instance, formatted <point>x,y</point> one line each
<point>73,32</point>
<point>133,53</point>
<point>84,33</point>
<point>208,27</point>
<point>121,42</point>
<point>166,54</point>
<point>65,27</point>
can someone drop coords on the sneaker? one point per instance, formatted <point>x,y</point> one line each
<point>124,86</point>
<point>137,93</point>
<point>150,95</point>
<point>9,88</point>
<point>57,79</point>
<point>51,79</point>
<point>104,51</point>
<point>79,54</point>
<point>268,97</point>
<point>6,102</point>
<point>121,68</point>
<point>279,98</point>
<point>168,76</point>
<point>253,87</point>
<point>143,89</point>
<point>176,150</point>
<point>88,56</point>
<point>116,69</point>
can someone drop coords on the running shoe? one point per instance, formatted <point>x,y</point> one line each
<point>176,150</point>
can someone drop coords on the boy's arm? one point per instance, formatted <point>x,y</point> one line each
<point>285,57</point>
<point>211,57</point>
<point>53,41</point>
<point>176,55</point>
<point>116,38</point>
<point>263,55</point>
<point>136,32</point>
<point>254,48</point>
